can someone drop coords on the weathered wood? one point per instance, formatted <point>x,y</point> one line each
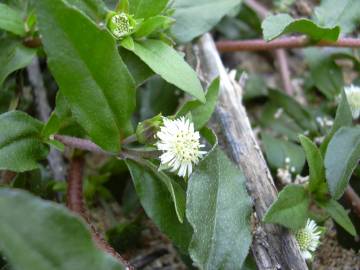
<point>273,246</point>
<point>54,158</point>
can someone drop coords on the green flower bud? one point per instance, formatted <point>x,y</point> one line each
<point>146,130</point>
<point>121,25</point>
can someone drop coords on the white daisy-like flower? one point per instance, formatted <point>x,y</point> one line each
<point>353,97</point>
<point>180,144</point>
<point>308,239</point>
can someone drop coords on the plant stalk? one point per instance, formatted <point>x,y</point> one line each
<point>75,202</point>
<point>282,43</point>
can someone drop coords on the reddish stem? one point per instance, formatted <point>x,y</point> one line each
<point>7,177</point>
<point>78,143</point>
<point>284,70</point>
<point>32,42</point>
<point>258,8</point>
<point>282,43</point>
<point>280,54</point>
<point>75,202</point>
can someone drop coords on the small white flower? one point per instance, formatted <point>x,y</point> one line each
<point>278,113</point>
<point>287,160</point>
<point>308,239</point>
<point>353,97</point>
<point>180,144</point>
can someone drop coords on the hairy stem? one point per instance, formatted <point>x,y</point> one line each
<point>75,202</point>
<point>88,145</point>
<point>81,144</point>
<point>280,54</point>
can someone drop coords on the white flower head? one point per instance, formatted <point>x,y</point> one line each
<point>353,97</point>
<point>308,239</point>
<point>180,144</point>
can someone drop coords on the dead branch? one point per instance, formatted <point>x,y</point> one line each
<point>55,159</point>
<point>273,246</point>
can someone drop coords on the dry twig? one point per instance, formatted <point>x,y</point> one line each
<point>273,246</point>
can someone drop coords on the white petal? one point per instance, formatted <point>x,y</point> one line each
<point>306,255</point>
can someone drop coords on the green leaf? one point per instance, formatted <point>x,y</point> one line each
<point>157,97</point>
<point>201,113</point>
<point>152,25</point>
<point>255,87</point>
<point>341,159</point>
<point>290,209</point>
<point>343,118</point>
<point>52,126</point>
<point>278,150</point>
<point>127,43</point>
<point>193,18</point>
<point>176,191</point>
<point>62,108</point>
<point>324,72</point>
<point>167,62</point>
<point>210,136</point>
<point>278,121</point>
<point>315,163</point>
<point>49,238</point>
<point>345,13</point>
<point>276,25</point>
<point>91,75</point>
<point>11,20</point>
<point>58,118</point>
<point>138,69</point>
<point>20,143</point>
<point>95,9</point>
<point>295,110</point>
<point>13,56</point>
<point>158,204</point>
<point>147,8</point>
<point>122,6</point>
<point>218,208</point>
<point>339,214</point>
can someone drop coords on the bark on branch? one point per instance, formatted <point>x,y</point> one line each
<point>273,246</point>
<point>55,158</point>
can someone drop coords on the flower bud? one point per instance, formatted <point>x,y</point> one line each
<point>146,130</point>
<point>121,25</point>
